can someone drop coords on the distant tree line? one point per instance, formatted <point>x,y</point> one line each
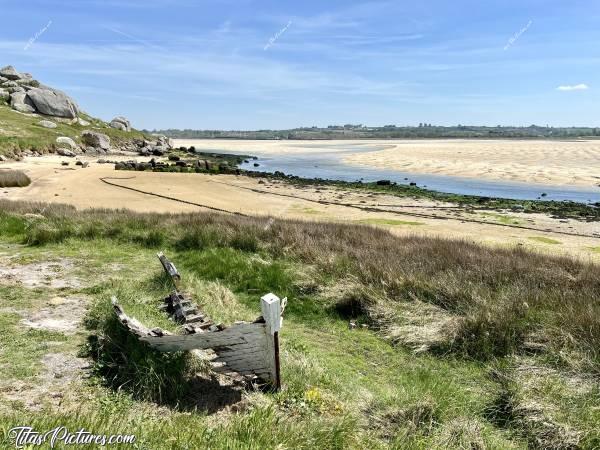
<point>424,130</point>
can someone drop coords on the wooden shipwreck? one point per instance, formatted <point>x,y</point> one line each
<point>247,349</point>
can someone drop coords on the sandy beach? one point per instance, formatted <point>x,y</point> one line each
<point>84,188</point>
<point>559,163</point>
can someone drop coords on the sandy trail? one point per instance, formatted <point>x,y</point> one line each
<point>560,162</point>
<point>83,189</point>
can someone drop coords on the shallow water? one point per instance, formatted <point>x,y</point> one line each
<point>328,165</point>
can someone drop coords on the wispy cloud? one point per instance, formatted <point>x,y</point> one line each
<point>574,87</point>
<point>132,38</point>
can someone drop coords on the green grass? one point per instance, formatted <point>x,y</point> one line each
<point>502,218</point>
<point>343,388</point>
<point>544,240</point>
<point>23,133</point>
<point>595,249</point>
<point>392,222</point>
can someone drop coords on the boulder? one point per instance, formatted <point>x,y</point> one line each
<point>4,94</point>
<point>12,90</point>
<point>67,141</point>
<point>23,108</point>
<point>65,152</point>
<point>96,140</point>
<point>28,82</point>
<point>120,123</point>
<point>118,126</point>
<point>162,140</point>
<point>8,84</point>
<point>83,123</point>
<point>47,124</point>
<point>17,97</point>
<point>20,102</point>
<point>53,102</point>
<point>11,73</point>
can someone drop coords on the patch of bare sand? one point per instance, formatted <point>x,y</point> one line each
<point>561,163</point>
<point>83,189</point>
<point>48,274</point>
<point>60,315</point>
<point>55,383</point>
<point>555,162</point>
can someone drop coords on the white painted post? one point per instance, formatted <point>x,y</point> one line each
<point>271,310</point>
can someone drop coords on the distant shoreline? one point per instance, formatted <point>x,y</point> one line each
<point>568,163</point>
<point>358,132</point>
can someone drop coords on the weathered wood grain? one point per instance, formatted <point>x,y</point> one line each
<point>247,349</point>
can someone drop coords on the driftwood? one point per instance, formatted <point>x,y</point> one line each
<point>247,349</point>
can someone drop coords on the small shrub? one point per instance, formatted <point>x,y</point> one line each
<point>152,239</point>
<point>13,178</point>
<point>43,233</point>
<point>244,242</point>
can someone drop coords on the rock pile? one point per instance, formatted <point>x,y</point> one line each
<point>30,96</point>
<point>158,147</point>
<point>120,123</point>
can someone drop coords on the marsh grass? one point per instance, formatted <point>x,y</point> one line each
<point>466,307</point>
<point>13,178</point>
<point>502,296</point>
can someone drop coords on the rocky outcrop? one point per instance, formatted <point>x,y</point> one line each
<point>67,141</point>
<point>24,108</point>
<point>66,152</point>
<point>53,103</point>
<point>96,140</point>
<point>20,102</point>
<point>4,94</point>
<point>10,73</point>
<point>39,98</point>
<point>120,123</point>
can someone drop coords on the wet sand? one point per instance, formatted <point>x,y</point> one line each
<point>559,163</point>
<point>83,188</point>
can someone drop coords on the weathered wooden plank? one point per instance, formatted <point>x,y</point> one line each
<point>271,310</point>
<point>237,334</point>
<point>249,349</point>
<point>169,267</point>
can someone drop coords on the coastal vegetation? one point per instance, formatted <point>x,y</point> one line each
<point>20,133</point>
<point>424,131</point>
<point>190,161</point>
<point>457,345</point>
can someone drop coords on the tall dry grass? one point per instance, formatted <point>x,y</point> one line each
<point>504,300</point>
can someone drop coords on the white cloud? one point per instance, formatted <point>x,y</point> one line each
<point>575,87</point>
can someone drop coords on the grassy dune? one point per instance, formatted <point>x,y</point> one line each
<point>464,346</point>
<point>21,132</point>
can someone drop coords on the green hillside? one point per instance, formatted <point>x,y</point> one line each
<point>22,132</point>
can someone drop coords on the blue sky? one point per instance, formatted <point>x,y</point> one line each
<point>224,64</point>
